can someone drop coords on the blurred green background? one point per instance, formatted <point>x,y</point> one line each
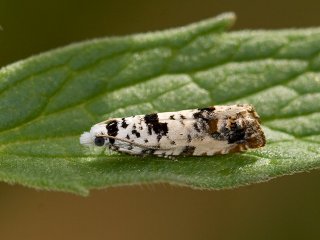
<point>284,208</point>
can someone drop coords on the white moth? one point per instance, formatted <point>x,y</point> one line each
<point>197,132</point>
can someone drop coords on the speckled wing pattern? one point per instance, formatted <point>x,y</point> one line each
<point>196,132</point>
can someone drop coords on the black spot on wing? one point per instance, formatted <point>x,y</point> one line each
<point>196,127</point>
<point>203,117</point>
<point>135,132</point>
<point>232,134</point>
<point>204,113</point>
<point>197,115</point>
<point>152,121</point>
<point>124,124</point>
<point>236,134</point>
<point>182,117</point>
<point>151,118</point>
<point>112,128</point>
<point>172,117</point>
<point>161,128</point>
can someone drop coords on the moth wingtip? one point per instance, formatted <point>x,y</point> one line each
<point>85,139</point>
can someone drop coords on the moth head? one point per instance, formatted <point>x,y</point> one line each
<point>96,136</point>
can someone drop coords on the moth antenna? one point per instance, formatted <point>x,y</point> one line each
<point>127,141</point>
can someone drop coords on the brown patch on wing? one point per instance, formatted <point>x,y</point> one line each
<point>213,125</point>
<point>257,138</point>
<point>257,141</point>
<point>237,148</point>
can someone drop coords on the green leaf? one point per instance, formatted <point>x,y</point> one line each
<point>48,100</point>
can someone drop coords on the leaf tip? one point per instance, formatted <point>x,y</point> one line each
<point>227,19</point>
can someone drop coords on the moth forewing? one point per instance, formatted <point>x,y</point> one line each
<point>205,131</point>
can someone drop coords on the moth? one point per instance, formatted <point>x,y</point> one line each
<point>196,132</point>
